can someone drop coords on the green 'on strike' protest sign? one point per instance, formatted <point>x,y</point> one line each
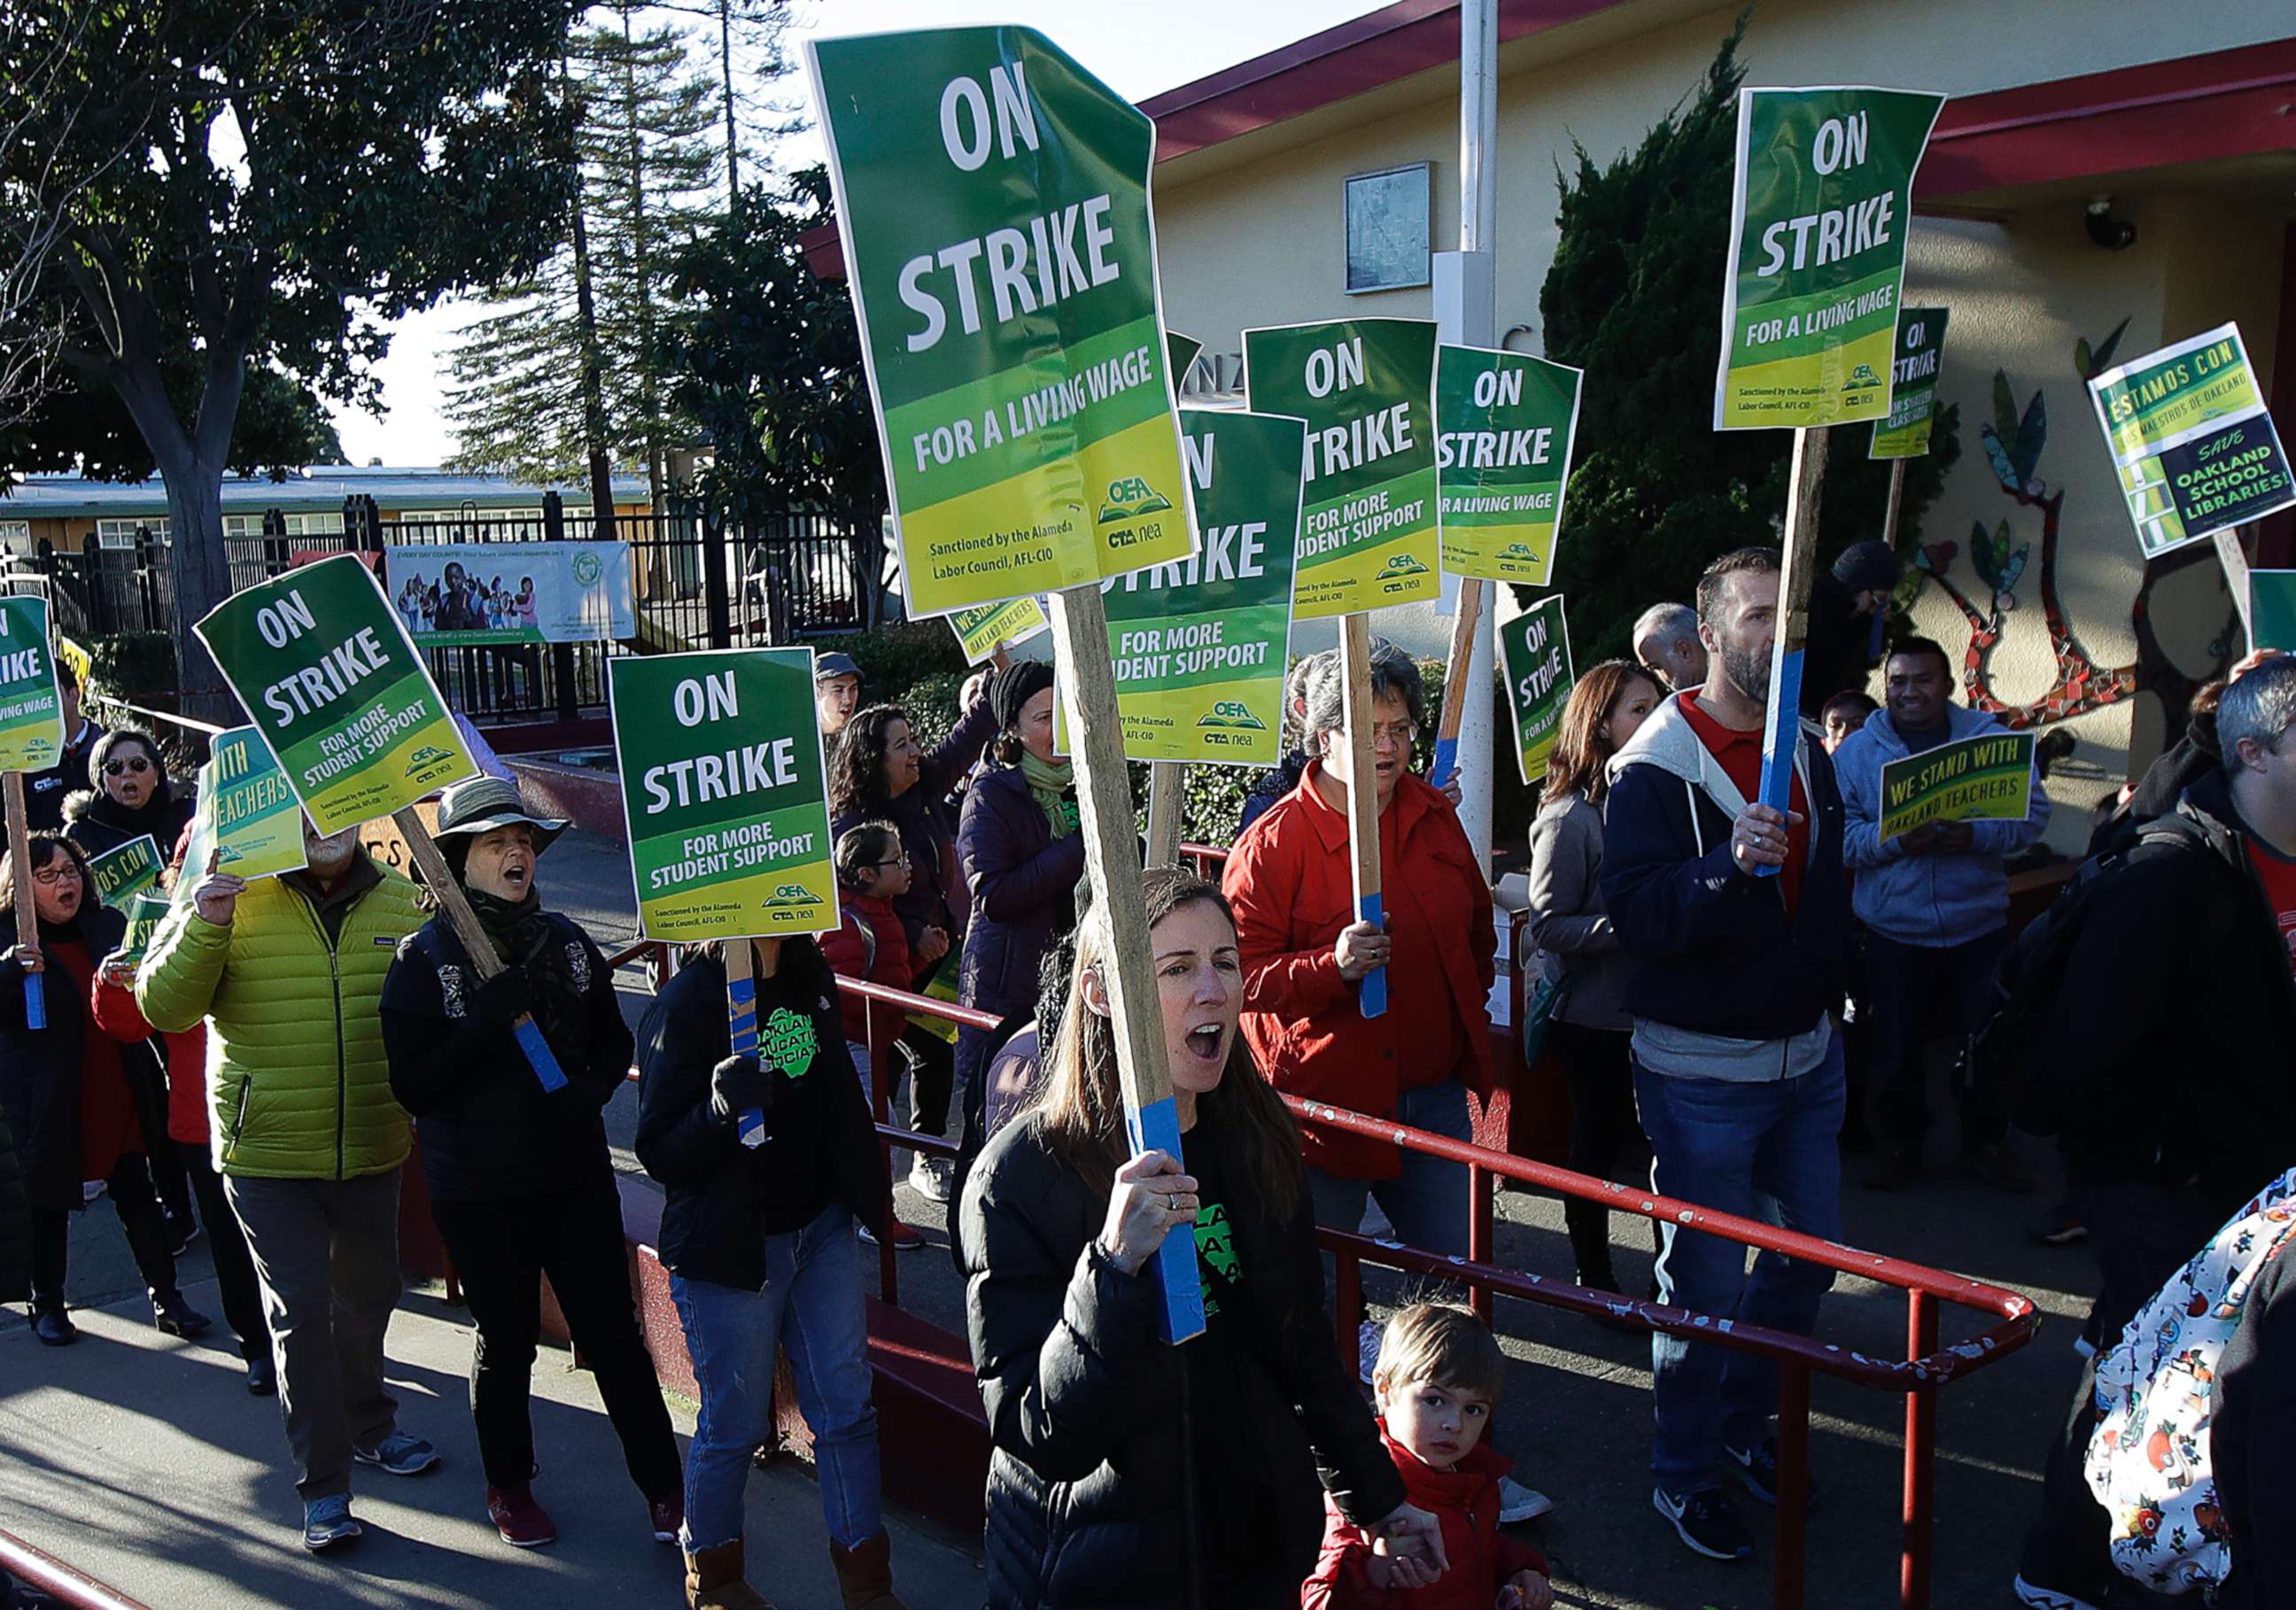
<point>1368,534</point>
<point>337,692</point>
<point>1198,647</point>
<point>1819,220</point>
<point>31,714</point>
<point>1504,421</point>
<point>1986,778</point>
<point>1914,377</point>
<point>723,785</point>
<point>1535,652</point>
<point>2192,442</point>
<point>992,197</point>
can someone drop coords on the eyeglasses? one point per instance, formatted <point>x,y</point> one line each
<point>134,763</point>
<point>900,860</point>
<point>62,871</point>
<point>1402,735</point>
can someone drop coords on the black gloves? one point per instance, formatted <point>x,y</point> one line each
<point>499,1000</point>
<point>736,1085</point>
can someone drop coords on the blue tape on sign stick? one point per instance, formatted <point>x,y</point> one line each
<point>1781,733</point>
<point>35,1002</point>
<point>537,1054</point>
<point>742,1025</point>
<point>1371,993</point>
<point>1156,1127</point>
<point>1446,761</point>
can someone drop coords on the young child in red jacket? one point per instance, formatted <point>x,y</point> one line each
<point>1437,1380</point>
<point>870,944</point>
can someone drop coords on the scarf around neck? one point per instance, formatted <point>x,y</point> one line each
<point>1053,785</point>
<point>524,937</point>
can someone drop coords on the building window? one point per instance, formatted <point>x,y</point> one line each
<point>298,525</point>
<point>1387,229</point>
<point>16,538</point>
<point>121,533</point>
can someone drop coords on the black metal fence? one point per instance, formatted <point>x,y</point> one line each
<point>696,582</point>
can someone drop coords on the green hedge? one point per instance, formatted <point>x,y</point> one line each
<point>132,665</point>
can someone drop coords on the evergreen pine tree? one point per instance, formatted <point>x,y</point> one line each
<point>1635,299</point>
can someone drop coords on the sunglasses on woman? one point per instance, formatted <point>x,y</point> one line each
<point>134,763</point>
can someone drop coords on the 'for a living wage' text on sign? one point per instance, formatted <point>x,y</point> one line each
<point>993,201</point>
<point>337,692</point>
<point>723,784</point>
<point>1988,778</point>
<point>1817,226</point>
<point>2192,443</point>
<point>31,715</point>
<point>1505,421</point>
<point>1369,531</point>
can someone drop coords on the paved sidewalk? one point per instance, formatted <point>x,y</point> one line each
<point>143,1462</point>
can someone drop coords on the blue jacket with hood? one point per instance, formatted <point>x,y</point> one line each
<point>1926,900</point>
<point>1714,951</point>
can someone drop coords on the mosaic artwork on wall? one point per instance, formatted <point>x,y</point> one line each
<point>2014,443</point>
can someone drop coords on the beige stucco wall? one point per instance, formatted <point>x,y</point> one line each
<point>1251,234</point>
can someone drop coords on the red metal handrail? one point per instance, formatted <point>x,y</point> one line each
<point>36,1568</point>
<point>1925,1370</point>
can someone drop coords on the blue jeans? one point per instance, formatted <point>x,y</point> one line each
<point>1762,1151</point>
<point>1427,1202</point>
<point>811,1304</point>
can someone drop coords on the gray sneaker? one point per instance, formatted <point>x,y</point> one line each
<point>327,1521</point>
<point>401,1453</point>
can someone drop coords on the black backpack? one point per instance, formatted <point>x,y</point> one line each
<point>2012,1053</point>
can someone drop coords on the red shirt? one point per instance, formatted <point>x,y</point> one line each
<point>1289,880</point>
<point>1465,1499</point>
<point>1739,754</point>
<point>2279,879</point>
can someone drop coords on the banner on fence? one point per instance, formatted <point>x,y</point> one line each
<point>453,593</point>
<point>1534,653</point>
<point>1369,529</point>
<point>2192,441</point>
<point>981,631</point>
<point>1988,778</point>
<point>725,793</point>
<point>1198,647</point>
<point>31,713</point>
<point>2272,611</point>
<point>248,818</point>
<point>1818,217</point>
<point>340,698</point>
<point>992,198</point>
<point>1913,385</point>
<point>126,871</point>
<point>1504,422</point>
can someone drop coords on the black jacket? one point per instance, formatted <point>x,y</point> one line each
<point>2209,1011</point>
<point>2251,1453</point>
<point>1713,949</point>
<point>1084,1476</point>
<point>97,822</point>
<point>39,1069</point>
<point>1023,883</point>
<point>487,1127</point>
<point>719,1192</point>
<point>936,896</point>
<point>44,792</point>
<point>15,1221</point>
<point>1838,651</point>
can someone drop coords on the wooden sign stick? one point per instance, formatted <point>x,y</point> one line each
<point>1896,498</point>
<point>1362,791</point>
<point>1135,1009</point>
<point>1166,789</point>
<point>1782,727</point>
<point>742,1025</point>
<point>1463,627</point>
<point>28,921</point>
<point>455,907</point>
<point>2235,561</point>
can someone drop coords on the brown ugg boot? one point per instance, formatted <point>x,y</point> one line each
<point>715,1581</point>
<point>864,1574</point>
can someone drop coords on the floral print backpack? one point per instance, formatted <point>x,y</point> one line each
<point>2149,1462</point>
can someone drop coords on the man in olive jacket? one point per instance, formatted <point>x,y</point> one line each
<point>287,973</point>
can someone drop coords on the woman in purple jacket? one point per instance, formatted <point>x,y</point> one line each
<point>1019,854</point>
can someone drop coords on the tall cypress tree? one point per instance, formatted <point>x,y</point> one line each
<point>1635,299</point>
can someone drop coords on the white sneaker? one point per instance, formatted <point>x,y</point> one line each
<point>1519,1503</point>
<point>929,1178</point>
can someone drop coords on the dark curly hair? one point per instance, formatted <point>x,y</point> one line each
<point>856,765</point>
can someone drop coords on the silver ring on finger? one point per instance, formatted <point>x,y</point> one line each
<point>1173,1200</point>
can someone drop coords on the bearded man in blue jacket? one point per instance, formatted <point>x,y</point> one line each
<point>1935,904</point>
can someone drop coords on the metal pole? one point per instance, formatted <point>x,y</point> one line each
<point>1478,103</point>
<point>1920,1458</point>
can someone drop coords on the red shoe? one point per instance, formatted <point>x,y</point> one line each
<point>669,1517</point>
<point>522,1523</point>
